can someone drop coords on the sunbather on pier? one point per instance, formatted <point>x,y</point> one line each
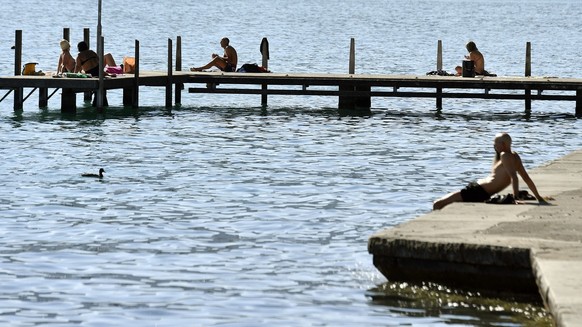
<point>88,60</point>
<point>506,166</point>
<point>226,63</point>
<point>477,57</point>
<point>66,61</point>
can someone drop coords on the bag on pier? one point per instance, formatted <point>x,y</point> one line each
<point>128,65</point>
<point>252,68</point>
<point>29,68</point>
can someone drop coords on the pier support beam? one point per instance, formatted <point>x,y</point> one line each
<point>350,105</point>
<point>18,92</point>
<point>579,103</point>
<point>265,63</point>
<point>439,98</point>
<point>354,105</point>
<point>68,101</point>
<point>179,86</point>
<point>43,97</point>
<point>169,79</point>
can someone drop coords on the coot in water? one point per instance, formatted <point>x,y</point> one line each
<point>100,175</point>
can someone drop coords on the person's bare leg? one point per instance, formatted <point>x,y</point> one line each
<point>108,60</point>
<point>216,62</point>
<point>446,200</point>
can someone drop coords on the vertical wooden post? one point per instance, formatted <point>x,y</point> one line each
<point>136,76</point>
<point>42,97</point>
<point>352,67</point>
<point>169,77</point>
<point>528,59</point>
<point>100,90</point>
<point>440,55</point>
<point>579,103</point>
<point>68,101</point>
<point>67,34</point>
<point>439,98</point>
<point>265,63</point>
<point>179,86</point>
<point>87,39</point>
<point>528,74</point>
<point>18,92</point>
<point>87,36</point>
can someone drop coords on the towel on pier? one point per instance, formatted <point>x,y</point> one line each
<point>440,72</point>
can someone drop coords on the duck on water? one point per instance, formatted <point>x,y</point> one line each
<point>100,175</point>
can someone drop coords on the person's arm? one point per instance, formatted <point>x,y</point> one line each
<point>525,176</point>
<point>508,162</point>
<point>60,64</point>
<point>78,64</point>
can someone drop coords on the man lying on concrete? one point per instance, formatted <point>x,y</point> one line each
<point>506,166</point>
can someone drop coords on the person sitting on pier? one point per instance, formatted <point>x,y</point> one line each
<point>66,61</point>
<point>506,166</point>
<point>226,63</point>
<point>477,57</point>
<point>88,60</point>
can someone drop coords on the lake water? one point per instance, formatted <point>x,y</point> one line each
<point>222,213</point>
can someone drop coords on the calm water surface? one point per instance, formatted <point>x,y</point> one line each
<point>222,213</point>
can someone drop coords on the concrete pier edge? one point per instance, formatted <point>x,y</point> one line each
<point>503,248</point>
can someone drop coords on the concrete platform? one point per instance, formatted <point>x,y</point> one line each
<point>505,248</point>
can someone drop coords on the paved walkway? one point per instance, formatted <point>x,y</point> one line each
<point>504,246</point>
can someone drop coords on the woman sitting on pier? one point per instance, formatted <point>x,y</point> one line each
<point>476,57</point>
<point>66,61</point>
<point>88,60</point>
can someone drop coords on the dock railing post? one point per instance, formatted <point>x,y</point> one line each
<point>169,77</point>
<point>440,55</point>
<point>179,86</point>
<point>527,74</point>
<point>265,63</point>
<point>18,92</point>
<point>87,39</point>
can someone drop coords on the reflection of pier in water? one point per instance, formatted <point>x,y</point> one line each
<point>354,91</point>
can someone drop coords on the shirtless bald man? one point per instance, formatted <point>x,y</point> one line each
<point>506,166</point>
<point>226,63</point>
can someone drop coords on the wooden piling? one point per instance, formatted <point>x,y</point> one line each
<point>265,64</point>
<point>579,103</point>
<point>527,74</point>
<point>43,97</point>
<point>528,59</point>
<point>87,39</point>
<point>136,77</point>
<point>352,67</point>
<point>439,55</point>
<point>100,91</point>
<point>67,34</point>
<point>169,78</point>
<point>18,91</point>
<point>354,105</point>
<point>179,86</point>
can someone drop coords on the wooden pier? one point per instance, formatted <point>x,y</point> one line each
<point>354,91</point>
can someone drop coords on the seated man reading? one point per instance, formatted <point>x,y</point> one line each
<point>506,166</point>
